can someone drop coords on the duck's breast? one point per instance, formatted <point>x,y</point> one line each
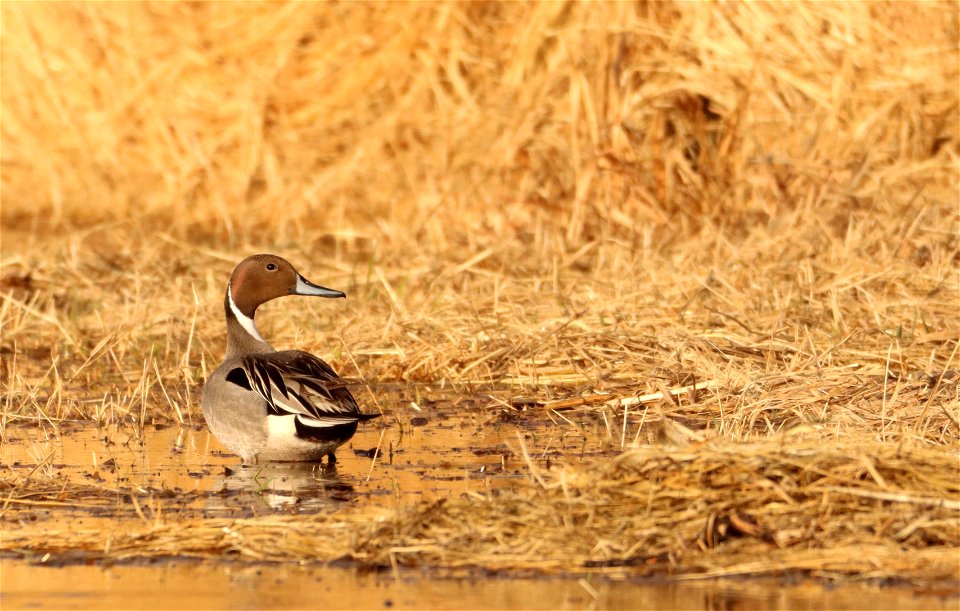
<point>235,415</point>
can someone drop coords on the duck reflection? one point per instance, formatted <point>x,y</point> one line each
<point>294,486</point>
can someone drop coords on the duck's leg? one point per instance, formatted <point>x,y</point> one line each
<point>331,458</point>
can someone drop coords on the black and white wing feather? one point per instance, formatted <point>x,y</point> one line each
<point>296,383</point>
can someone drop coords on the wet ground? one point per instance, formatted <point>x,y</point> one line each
<point>125,474</point>
<point>421,456</point>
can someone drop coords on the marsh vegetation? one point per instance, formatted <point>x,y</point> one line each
<point>680,280</point>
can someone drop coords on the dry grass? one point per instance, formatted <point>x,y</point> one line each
<point>563,200</point>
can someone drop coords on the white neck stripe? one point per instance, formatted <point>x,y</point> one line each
<point>245,321</point>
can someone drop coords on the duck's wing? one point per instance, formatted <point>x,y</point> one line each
<point>296,383</point>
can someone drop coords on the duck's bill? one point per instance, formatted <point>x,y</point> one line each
<point>305,287</point>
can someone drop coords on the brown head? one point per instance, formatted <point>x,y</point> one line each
<point>257,280</point>
<point>260,278</point>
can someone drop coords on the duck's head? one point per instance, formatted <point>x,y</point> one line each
<point>260,278</point>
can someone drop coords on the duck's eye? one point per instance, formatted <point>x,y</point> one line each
<point>271,267</point>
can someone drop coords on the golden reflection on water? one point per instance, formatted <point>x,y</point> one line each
<point>387,467</point>
<point>184,585</point>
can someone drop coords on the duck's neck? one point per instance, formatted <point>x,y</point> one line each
<point>242,334</point>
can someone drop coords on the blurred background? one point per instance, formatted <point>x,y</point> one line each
<point>431,125</point>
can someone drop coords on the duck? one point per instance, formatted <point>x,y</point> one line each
<point>267,405</point>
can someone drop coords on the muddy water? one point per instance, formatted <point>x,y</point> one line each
<point>421,455</point>
<point>424,455</point>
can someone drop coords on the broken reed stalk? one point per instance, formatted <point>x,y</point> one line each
<point>620,401</point>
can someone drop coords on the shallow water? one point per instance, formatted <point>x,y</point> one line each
<point>216,586</point>
<point>427,454</point>
<point>423,455</point>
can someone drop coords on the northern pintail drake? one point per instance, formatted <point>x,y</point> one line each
<point>267,405</point>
